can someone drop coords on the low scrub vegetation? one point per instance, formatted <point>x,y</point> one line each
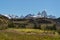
<point>16,34</point>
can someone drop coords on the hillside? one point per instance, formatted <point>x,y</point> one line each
<point>29,29</point>
<point>31,22</point>
<point>3,22</point>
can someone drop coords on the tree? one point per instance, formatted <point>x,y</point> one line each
<point>51,27</point>
<point>11,24</point>
<point>36,24</point>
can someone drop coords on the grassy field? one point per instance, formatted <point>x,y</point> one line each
<point>28,34</point>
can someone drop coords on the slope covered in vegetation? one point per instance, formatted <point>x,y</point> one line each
<point>26,34</point>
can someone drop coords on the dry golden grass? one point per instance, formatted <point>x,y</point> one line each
<point>10,34</point>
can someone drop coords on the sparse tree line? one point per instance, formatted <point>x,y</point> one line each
<point>34,24</point>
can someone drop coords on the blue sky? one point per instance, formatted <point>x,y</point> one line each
<point>24,7</point>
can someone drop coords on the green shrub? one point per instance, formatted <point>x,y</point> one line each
<point>22,26</point>
<point>11,25</point>
<point>51,27</point>
<point>58,31</point>
<point>3,27</point>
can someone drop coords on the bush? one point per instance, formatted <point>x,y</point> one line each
<point>22,26</point>
<point>3,27</point>
<point>37,26</point>
<point>58,31</point>
<point>51,27</point>
<point>11,25</point>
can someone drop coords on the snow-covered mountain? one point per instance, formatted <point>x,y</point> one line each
<point>11,16</point>
<point>8,16</point>
<point>43,14</point>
